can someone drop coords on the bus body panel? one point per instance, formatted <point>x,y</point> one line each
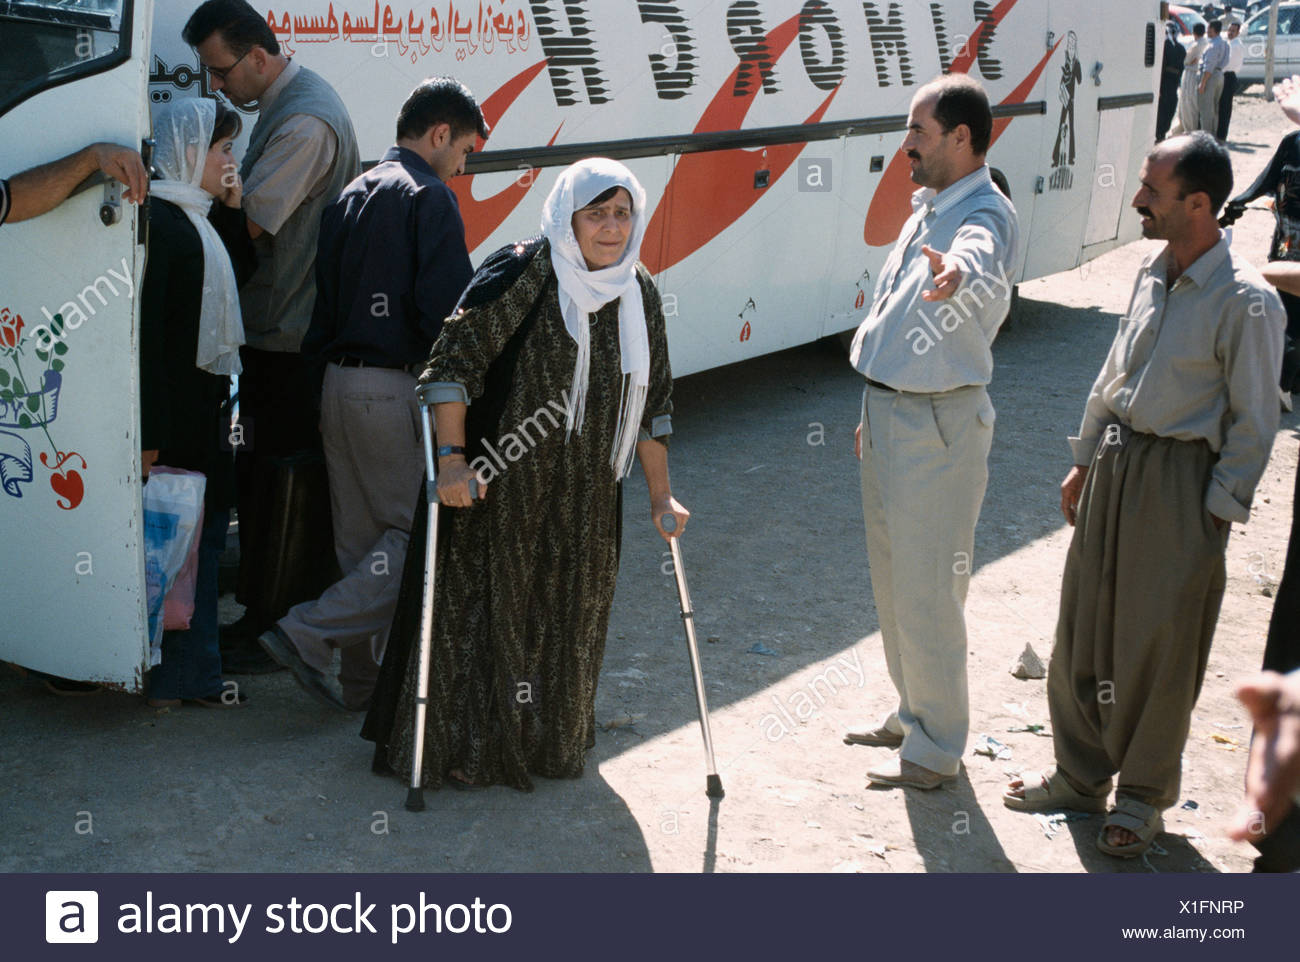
<point>73,562</point>
<point>766,134</point>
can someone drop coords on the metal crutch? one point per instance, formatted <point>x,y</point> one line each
<point>415,795</point>
<point>713,785</point>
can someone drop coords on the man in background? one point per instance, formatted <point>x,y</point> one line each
<point>1209,88</point>
<point>301,155</point>
<point>1171,75</point>
<point>1236,59</point>
<point>390,265</point>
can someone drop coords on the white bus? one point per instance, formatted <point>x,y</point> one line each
<point>766,133</point>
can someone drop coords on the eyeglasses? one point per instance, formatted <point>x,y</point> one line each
<point>221,73</point>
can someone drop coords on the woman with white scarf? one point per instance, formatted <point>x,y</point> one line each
<point>551,374</point>
<point>190,332</point>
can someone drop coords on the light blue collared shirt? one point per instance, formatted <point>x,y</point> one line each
<point>928,347</point>
<point>1215,58</point>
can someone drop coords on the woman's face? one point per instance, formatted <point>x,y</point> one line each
<point>220,163</point>
<point>603,230</point>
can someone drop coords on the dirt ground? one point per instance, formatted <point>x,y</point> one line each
<point>778,570</point>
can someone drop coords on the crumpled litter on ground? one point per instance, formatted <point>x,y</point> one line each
<point>1053,822</point>
<point>992,748</point>
<point>1037,728</point>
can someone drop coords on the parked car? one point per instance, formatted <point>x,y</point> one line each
<point>1184,18</point>
<point>1286,52</point>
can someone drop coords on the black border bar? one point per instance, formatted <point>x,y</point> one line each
<point>1127,100</point>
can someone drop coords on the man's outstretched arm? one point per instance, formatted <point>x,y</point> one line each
<point>41,189</point>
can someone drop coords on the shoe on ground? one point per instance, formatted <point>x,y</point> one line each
<point>900,773</point>
<point>313,682</point>
<point>880,737</point>
<point>1143,820</point>
<point>241,656</point>
<point>246,629</point>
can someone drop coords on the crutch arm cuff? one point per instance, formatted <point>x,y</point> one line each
<point>441,392</point>
<point>660,427</point>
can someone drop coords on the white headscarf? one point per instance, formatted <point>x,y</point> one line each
<point>182,132</point>
<point>583,292</point>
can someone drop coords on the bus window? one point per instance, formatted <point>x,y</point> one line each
<point>49,42</point>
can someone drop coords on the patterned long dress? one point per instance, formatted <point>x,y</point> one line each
<point>525,580</point>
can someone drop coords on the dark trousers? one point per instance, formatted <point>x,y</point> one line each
<point>279,411</point>
<point>1282,652</point>
<point>1225,104</point>
<point>1280,851</point>
<point>191,661</point>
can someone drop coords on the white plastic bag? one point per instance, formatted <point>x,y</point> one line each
<point>173,504</point>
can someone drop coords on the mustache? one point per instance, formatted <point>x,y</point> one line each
<point>1145,211</point>
<point>913,155</point>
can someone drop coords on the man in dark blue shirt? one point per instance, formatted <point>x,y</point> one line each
<point>391,263</point>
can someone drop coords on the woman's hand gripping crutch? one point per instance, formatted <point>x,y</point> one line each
<point>415,794</point>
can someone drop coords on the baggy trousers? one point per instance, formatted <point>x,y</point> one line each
<point>924,471</point>
<point>1208,104</point>
<point>370,426</point>
<point>1144,578</point>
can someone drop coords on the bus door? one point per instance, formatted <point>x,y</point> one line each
<point>72,596</point>
<point>1069,139</point>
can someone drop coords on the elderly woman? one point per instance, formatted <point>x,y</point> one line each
<point>552,372</point>
<point>190,331</point>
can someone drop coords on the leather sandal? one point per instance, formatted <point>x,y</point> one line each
<point>1050,792</point>
<point>1143,820</point>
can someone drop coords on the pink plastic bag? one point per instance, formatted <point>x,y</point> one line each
<point>178,605</point>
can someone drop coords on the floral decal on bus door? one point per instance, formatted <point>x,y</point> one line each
<point>29,403</point>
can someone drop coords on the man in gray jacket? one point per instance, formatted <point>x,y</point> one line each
<point>303,152</point>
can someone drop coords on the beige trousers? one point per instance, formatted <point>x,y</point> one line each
<point>924,471</point>
<point>374,454</point>
<point>1144,578</point>
<point>1208,105</point>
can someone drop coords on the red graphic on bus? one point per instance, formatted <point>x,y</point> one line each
<point>482,217</point>
<point>716,187</point>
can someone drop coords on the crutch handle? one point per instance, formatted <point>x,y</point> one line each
<point>433,490</point>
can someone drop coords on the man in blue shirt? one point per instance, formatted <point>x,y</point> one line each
<point>391,263</point>
<point>1210,89</point>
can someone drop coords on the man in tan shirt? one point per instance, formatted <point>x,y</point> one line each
<point>301,155</point>
<point>1175,436</point>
